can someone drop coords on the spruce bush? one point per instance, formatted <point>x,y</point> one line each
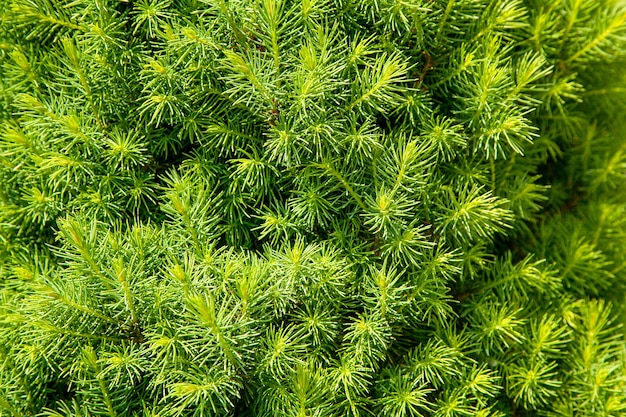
<point>312,208</point>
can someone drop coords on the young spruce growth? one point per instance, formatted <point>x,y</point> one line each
<point>312,208</point>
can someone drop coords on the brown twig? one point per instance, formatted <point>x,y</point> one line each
<point>427,67</point>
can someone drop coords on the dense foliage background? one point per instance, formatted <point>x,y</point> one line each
<point>312,208</point>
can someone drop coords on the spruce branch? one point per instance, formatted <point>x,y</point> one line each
<point>312,208</point>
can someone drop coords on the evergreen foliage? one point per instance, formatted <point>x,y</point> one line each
<point>312,208</point>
